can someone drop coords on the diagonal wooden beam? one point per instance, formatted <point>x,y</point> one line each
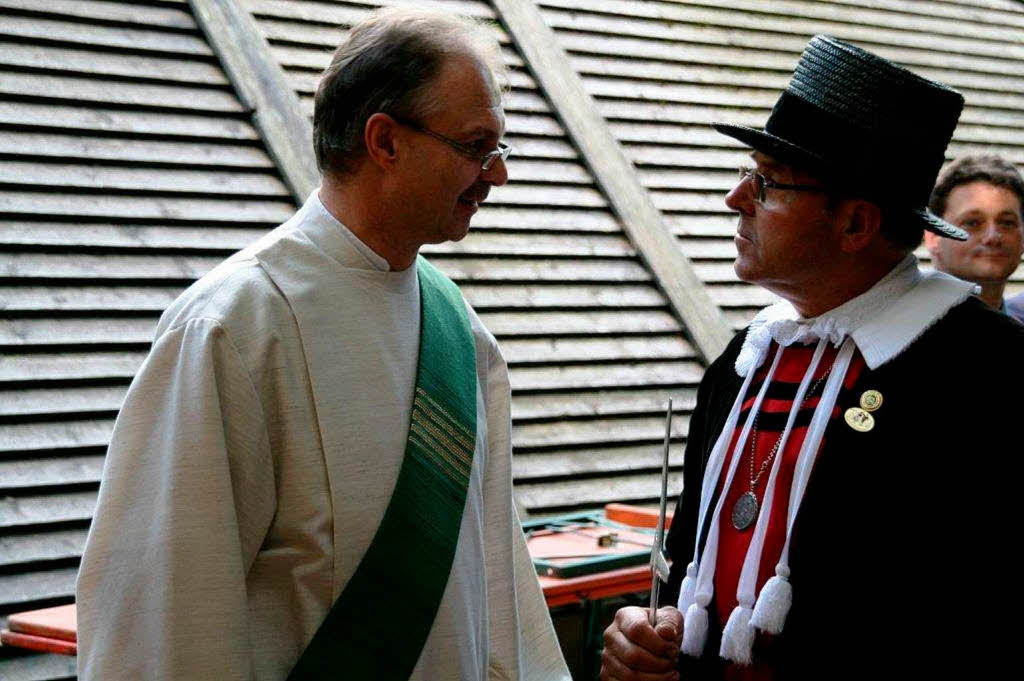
<point>263,88</point>
<point>616,176</point>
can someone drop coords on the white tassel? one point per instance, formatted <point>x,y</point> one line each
<point>774,602</point>
<point>695,630</point>
<point>688,589</point>
<point>738,636</point>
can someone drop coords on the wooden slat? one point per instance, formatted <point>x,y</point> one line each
<point>69,366</point>
<point>541,270</point>
<point>516,296</point>
<point>703,224</point>
<point>553,406</point>
<point>113,178</point>
<point>74,147</point>
<point>671,134</point>
<point>547,464</point>
<point>121,93</point>
<point>38,668</point>
<point>563,219</point>
<point>36,299</point>
<point>120,12</point>
<point>594,432</point>
<point>606,376</point>
<point>508,324</point>
<point>552,245</point>
<point>91,62</point>
<point>126,236</point>
<point>739,318</point>
<point>671,201</point>
<point>22,510</point>
<point>42,546</point>
<point>619,88</point>
<point>684,157</point>
<point>44,204</point>
<point>526,147</point>
<point>592,492</point>
<point>530,170</point>
<point>36,586</point>
<point>546,195</point>
<point>32,333</point>
<point>42,401</point>
<point>75,33</point>
<point>80,119</point>
<point>742,296</point>
<point>562,350</point>
<point>710,179</point>
<point>23,474</point>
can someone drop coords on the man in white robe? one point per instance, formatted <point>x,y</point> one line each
<point>259,445</point>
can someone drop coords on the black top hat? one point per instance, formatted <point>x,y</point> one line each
<point>869,126</point>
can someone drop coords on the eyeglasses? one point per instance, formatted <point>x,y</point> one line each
<point>762,184</point>
<point>486,158</point>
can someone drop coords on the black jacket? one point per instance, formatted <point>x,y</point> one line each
<point>901,553</point>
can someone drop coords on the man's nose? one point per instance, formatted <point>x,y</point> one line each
<point>497,174</point>
<point>741,197</point>
<point>993,234</point>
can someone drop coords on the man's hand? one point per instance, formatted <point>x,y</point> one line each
<point>635,651</point>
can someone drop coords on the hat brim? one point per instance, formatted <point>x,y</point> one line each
<point>777,148</point>
<point>806,160</point>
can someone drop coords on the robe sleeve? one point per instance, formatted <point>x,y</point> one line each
<point>186,498</point>
<point>522,635</point>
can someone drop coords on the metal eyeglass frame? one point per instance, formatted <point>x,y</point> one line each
<point>486,159</point>
<point>762,184</point>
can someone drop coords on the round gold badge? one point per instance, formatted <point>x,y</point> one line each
<point>859,420</point>
<point>871,400</point>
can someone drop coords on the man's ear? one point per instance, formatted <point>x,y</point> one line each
<point>861,220</point>
<point>380,139</point>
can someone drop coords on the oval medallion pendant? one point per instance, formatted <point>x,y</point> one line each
<point>744,511</point>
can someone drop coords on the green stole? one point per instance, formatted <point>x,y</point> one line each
<point>378,626</point>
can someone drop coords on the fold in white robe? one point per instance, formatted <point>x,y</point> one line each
<point>253,460</point>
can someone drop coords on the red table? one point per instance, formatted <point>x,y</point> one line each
<point>51,630</point>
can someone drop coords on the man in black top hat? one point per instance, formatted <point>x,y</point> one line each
<point>838,499</point>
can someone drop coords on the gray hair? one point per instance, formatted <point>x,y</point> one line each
<point>388,63</point>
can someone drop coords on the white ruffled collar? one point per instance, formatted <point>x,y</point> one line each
<point>883,320</point>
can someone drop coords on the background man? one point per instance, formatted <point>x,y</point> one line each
<point>983,196</point>
<point>311,475</point>
<point>835,483</point>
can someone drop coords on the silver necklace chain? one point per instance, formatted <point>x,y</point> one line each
<point>775,448</point>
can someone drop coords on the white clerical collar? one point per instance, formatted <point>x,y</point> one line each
<point>882,321</point>
<point>358,254</point>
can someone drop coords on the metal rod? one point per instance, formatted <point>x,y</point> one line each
<point>658,563</point>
